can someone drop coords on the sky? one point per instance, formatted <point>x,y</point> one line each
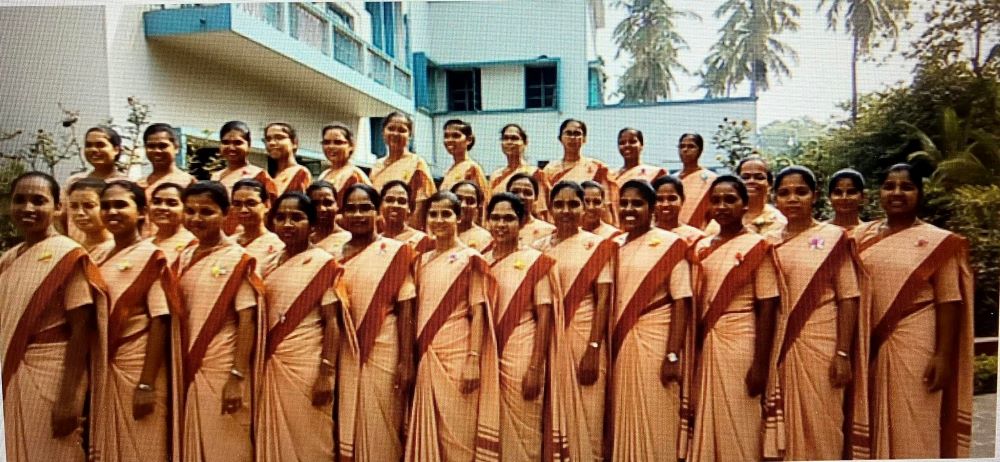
<point>819,80</point>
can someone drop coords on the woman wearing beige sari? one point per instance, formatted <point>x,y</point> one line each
<point>921,375</point>
<point>83,205</point>
<point>513,142</point>
<point>669,203</point>
<point>696,180</point>
<point>847,197</point>
<point>527,188</point>
<point>738,296</point>
<point>821,346</point>
<point>397,206</point>
<point>295,417</point>
<point>455,415</point>
<point>282,143</point>
<point>584,261</point>
<point>234,148</point>
<point>458,141</point>
<point>220,332</point>
<point>167,212</point>
<point>52,294</point>
<point>376,354</point>
<point>630,144</point>
<point>327,234</point>
<point>402,165</point>
<point>651,308</point>
<point>469,232</point>
<point>525,304</point>
<point>574,166</point>
<point>101,148</point>
<point>594,205</point>
<point>338,147</point>
<point>134,415</point>
<point>162,143</point>
<point>249,204</point>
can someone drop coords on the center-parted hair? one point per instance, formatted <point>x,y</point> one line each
<point>250,183</point>
<point>88,184</point>
<point>285,128</point>
<point>321,184</point>
<point>453,202</point>
<point>138,194</point>
<point>305,205</point>
<point>591,184</point>
<point>240,127</point>
<point>113,137</point>
<point>479,192</point>
<point>53,184</point>
<point>406,187</point>
<point>562,126</point>
<point>807,176</point>
<point>162,128</point>
<point>523,176</point>
<point>698,140</point>
<point>372,194</point>
<point>564,184</point>
<point>855,176</point>
<point>515,203</point>
<point>463,127</point>
<point>672,180</point>
<point>753,157</point>
<point>916,176</point>
<point>737,182</point>
<point>339,126</point>
<point>644,188</point>
<point>520,131</point>
<point>215,190</point>
<point>638,134</point>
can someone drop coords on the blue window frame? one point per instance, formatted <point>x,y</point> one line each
<point>383,25</point>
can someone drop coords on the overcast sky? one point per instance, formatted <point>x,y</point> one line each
<point>819,81</point>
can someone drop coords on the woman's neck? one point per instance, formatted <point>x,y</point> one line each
<point>34,238</point>
<point>126,239</point>
<point>798,225</point>
<point>563,233</point>
<point>104,171</point>
<point>208,242</point>
<point>515,162</point>
<point>393,228</point>
<point>756,206</point>
<point>253,231</point>
<point>463,226</point>
<point>395,155</point>
<point>287,162</point>
<point>900,222</point>
<point>237,163</point>
<point>571,155</point>
<point>97,237</point>
<point>688,169</point>
<point>363,240</point>
<point>337,166</point>
<point>460,157</point>
<point>731,230</point>
<point>637,233</point>
<point>295,248</point>
<point>630,163</point>
<point>442,244</point>
<point>847,219</point>
<point>670,223</point>
<point>590,225</point>
<point>502,249</point>
<point>164,232</point>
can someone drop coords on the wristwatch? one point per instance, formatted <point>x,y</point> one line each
<point>144,387</point>
<point>236,373</point>
<point>672,357</point>
<point>594,345</point>
<point>843,354</point>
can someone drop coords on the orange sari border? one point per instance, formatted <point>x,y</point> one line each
<point>603,254</point>
<point>521,299</point>
<point>385,293</point>
<point>302,305</point>
<point>130,298</point>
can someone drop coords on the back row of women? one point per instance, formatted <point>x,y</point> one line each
<point>325,326</point>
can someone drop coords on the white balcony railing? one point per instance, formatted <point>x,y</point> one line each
<point>312,26</point>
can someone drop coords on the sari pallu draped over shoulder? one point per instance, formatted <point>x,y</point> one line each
<point>646,416</point>
<point>797,420</point>
<point>287,425</point>
<point>371,411</point>
<point>529,429</point>
<point>38,287</point>
<point>199,404</point>
<point>903,332</point>
<point>729,279</point>
<point>582,261</point>
<point>442,352</point>
<point>142,288</point>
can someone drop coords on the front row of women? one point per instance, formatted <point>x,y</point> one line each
<point>646,346</point>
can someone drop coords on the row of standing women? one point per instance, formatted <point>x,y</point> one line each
<point>774,336</point>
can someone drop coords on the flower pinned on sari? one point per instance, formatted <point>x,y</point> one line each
<point>124,266</point>
<point>180,247</point>
<point>381,249</point>
<point>655,242</point>
<point>816,243</point>
<point>921,242</point>
<point>218,271</point>
<point>519,264</point>
<point>46,256</point>
<point>588,245</point>
<point>703,176</point>
<point>739,258</point>
<point>452,258</point>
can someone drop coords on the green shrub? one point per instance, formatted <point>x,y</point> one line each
<point>975,214</point>
<point>9,169</point>
<point>984,374</point>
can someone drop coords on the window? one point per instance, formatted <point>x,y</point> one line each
<point>540,87</point>
<point>339,15</point>
<point>378,144</point>
<point>383,25</point>
<point>464,91</point>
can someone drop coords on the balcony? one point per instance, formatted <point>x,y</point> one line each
<point>286,42</point>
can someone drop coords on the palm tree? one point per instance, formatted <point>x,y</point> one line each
<point>865,20</point>
<point>748,48</point>
<point>649,34</point>
<point>964,155</point>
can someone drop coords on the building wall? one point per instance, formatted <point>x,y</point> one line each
<point>662,125</point>
<point>52,55</point>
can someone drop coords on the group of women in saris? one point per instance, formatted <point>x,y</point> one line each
<point>568,313</point>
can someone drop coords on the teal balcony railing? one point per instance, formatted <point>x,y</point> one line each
<point>311,26</point>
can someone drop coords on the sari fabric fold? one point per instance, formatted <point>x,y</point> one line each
<point>446,424</point>
<point>694,212</point>
<point>914,272</point>
<point>38,288</point>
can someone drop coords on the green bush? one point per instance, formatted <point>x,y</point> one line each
<point>984,375</point>
<point>9,169</point>
<point>975,214</point>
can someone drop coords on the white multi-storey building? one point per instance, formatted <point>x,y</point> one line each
<point>200,65</point>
